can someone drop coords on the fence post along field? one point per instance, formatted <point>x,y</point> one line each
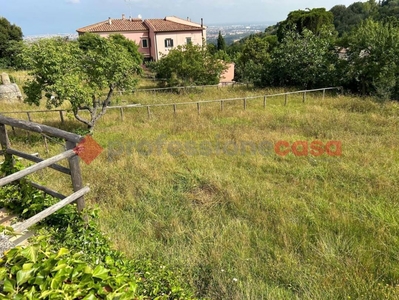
<point>71,140</point>
<point>245,102</point>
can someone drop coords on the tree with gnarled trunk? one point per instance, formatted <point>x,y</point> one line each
<point>64,71</point>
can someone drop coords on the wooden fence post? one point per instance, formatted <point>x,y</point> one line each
<point>45,144</point>
<point>285,99</point>
<point>245,103</point>
<point>122,115</point>
<point>174,109</point>
<point>61,117</point>
<point>198,108</point>
<point>5,144</point>
<point>264,102</point>
<point>304,97</point>
<point>324,93</point>
<point>76,175</point>
<point>221,105</point>
<point>30,120</point>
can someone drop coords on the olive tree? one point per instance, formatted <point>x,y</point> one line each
<point>86,77</point>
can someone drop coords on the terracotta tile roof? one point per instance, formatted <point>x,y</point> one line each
<point>117,25</point>
<point>165,25</point>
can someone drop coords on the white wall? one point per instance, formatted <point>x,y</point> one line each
<point>179,38</point>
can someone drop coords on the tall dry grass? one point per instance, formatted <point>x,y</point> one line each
<point>207,194</point>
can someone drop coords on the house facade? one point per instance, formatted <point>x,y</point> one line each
<point>155,37</point>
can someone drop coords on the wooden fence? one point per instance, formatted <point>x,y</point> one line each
<point>185,88</point>
<point>71,140</point>
<point>245,102</point>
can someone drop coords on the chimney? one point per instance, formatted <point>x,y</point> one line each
<point>109,21</point>
<point>130,18</point>
<point>123,16</point>
<point>202,22</point>
<point>188,18</point>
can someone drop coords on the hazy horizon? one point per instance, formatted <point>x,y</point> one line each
<point>65,16</point>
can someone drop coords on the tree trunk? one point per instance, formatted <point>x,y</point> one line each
<point>94,114</point>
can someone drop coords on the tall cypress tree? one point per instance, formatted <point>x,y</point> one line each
<point>221,44</point>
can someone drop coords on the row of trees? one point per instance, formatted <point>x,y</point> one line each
<point>10,43</point>
<point>317,48</point>
<point>347,18</point>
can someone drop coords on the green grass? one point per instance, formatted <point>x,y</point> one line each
<point>251,225</point>
<point>19,77</point>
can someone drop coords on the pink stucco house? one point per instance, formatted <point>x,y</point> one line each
<point>155,37</point>
<point>228,75</point>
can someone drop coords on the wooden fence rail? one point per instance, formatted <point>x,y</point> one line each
<point>198,103</point>
<point>176,88</point>
<point>40,128</point>
<point>73,171</point>
<point>222,101</point>
<point>39,166</point>
<point>50,210</point>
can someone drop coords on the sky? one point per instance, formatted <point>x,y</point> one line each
<point>39,17</point>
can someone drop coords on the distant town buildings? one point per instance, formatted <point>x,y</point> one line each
<point>231,33</point>
<point>235,32</point>
<point>69,36</point>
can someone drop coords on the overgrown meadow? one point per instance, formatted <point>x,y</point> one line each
<point>208,195</point>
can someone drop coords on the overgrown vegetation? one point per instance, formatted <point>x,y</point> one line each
<point>10,43</point>
<point>72,259</point>
<point>251,224</point>
<point>315,47</point>
<point>188,65</point>
<point>203,188</point>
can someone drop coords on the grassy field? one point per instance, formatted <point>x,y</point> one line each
<point>208,195</point>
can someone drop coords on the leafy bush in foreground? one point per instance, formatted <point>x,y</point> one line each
<point>88,269</point>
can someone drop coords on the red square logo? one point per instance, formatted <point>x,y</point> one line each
<point>88,149</point>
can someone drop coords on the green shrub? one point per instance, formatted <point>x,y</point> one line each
<point>72,259</point>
